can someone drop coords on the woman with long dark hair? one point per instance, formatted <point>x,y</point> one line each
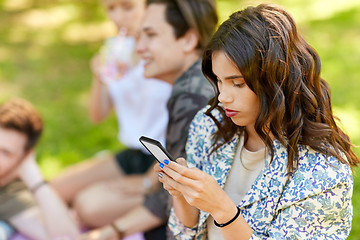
<point>266,159</point>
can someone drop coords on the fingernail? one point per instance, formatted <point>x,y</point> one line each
<point>166,162</point>
<point>160,175</point>
<point>161,165</point>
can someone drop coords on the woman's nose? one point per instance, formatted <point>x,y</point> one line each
<point>224,95</point>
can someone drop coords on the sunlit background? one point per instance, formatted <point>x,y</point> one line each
<point>45,47</point>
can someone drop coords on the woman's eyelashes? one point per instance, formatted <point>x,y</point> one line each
<point>235,83</point>
<point>238,85</point>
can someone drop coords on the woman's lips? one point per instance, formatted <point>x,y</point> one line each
<point>230,113</point>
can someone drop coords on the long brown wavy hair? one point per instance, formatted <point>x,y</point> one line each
<point>283,70</point>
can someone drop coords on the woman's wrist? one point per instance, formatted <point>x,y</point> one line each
<point>224,212</point>
<point>179,199</point>
<point>230,221</point>
<point>187,214</point>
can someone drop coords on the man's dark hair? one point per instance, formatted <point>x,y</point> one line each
<point>183,15</point>
<point>21,116</point>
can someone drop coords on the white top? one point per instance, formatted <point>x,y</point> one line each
<point>245,168</point>
<point>139,103</point>
<point>140,106</point>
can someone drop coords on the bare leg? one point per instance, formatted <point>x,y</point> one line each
<point>99,204</point>
<point>75,178</point>
<point>139,219</point>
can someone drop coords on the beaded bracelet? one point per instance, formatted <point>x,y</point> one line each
<point>37,186</point>
<point>227,223</point>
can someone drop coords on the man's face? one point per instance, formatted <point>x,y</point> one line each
<point>163,54</point>
<point>12,150</point>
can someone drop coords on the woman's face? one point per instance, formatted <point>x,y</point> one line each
<point>126,14</point>
<point>240,103</point>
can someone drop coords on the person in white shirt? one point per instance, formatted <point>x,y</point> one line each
<point>109,185</point>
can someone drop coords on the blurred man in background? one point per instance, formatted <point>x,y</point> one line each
<point>27,202</point>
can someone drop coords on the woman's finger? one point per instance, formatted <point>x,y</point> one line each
<point>177,177</point>
<point>180,173</point>
<point>164,179</point>
<point>157,168</point>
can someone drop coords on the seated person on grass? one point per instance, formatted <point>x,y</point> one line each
<point>108,185</point>
<point>173,36</point>
<point>27,202</point>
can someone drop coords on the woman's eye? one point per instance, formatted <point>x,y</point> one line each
<point>239,85</point>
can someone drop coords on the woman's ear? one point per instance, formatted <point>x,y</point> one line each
<point>191,38</point>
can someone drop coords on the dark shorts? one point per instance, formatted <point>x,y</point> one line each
<point>133,161</point>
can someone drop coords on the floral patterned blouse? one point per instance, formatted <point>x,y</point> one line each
<point>313,203</point>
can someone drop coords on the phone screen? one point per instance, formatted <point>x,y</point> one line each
<point>156,149</point>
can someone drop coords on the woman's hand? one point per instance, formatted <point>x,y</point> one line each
<point>197,187</point>
<point>172,191</point>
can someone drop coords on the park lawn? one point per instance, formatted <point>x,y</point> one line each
<point>45,47</point>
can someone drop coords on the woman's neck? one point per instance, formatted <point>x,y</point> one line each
<point>254,142</point>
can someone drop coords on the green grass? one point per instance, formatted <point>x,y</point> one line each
<point>45,47</point>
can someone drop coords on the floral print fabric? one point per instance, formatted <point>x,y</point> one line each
<point>313,203</point>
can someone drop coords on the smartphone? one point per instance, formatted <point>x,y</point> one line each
<point>156,149</point>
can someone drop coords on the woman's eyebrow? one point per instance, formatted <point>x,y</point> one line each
<point>233,77</point>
